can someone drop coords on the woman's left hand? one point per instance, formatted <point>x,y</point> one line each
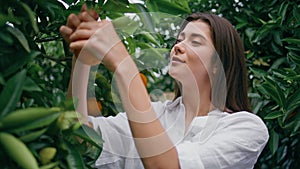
<point>98,42</point>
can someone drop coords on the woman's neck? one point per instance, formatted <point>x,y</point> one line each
<point>196,102</point>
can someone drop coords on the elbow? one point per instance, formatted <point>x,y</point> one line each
<point>161,165</point>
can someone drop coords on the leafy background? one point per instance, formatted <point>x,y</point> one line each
<point>35,66</point>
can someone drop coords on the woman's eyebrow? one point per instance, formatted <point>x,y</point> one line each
<point>193,35</point>
<point>198,35</point>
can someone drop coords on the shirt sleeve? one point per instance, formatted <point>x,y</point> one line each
<point>235,143</point>
<point>113,131</point>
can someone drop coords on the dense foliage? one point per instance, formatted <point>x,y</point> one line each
<point>35,68</point>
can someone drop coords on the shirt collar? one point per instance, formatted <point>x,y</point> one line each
<point>170,104</point>
<point>173,104</point>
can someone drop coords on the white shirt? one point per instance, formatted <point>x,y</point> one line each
<point>218,140</point>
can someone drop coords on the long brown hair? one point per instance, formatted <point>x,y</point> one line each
<point>229,47</point>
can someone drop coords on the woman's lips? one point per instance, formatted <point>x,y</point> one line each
<point>176,59</point>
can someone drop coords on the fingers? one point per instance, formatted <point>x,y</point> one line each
<point>81,34</point>
<point>79,27</point>
<point>77,45</point>
<point>93,13</point>
<point>73,21</point>
<point>65,32</point>
<point>86,17</point>
<point>83,8</point>
<point>86,30</point>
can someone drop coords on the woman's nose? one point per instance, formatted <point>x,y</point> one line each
<point>179,48</point>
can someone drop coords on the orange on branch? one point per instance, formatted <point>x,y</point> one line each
<point>94,106</point>
<point>99,105</point>
<point>144,79</point>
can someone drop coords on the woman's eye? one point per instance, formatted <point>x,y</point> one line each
<point>196,42</point>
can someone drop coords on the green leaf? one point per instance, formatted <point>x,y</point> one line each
<point>42,122</point>
<point>271,89</point>
<point>262,21</point>
<point>241,25</point>
<point>17,151</point>
<point>50,165</point>
<point>31,16</point>
<point>171,8</point>
<point>273,142</point>
<point>145,18</point>
<point>293,124</point>
<point>149,36</point>
<point>292,48</point>
<point>19,36</point>
<point>257,107</point>
<point>292,40</point>
<point>296,126</point>
<point>278,62</point>
<point>73,158</point>
<point>125,24</point>
<point>33,135</point>
<point>258,72</point>
<point>6,38</point>
<point>276,49</point>
<point>117,8</point>
<point>296,14</point>
<point>153,58</point>
<point>90,135</point>
<point>250,32</point>
<point>273,115</point>
<point>5,18</point>
<point>152,7</point>
<point>277,38</point>
<point>68,104</point>
<point>10,64</point>
<point>294,57</point>
<point>282,11</point>
<point>295,77</point>
<point>31,86</point>
<point>11,93</point>
<point>2,81</point>
<point>293,102</point>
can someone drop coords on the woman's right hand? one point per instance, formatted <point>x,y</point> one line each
<point>73,22</point>
<point>98,42</point>
<point>67,30</point>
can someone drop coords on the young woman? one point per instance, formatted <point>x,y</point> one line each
<point>207,125</point>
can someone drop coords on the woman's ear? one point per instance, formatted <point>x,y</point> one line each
<point>216,63</point>
<point>215,69</point>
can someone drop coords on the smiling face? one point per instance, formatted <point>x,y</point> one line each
<point>192,54</point>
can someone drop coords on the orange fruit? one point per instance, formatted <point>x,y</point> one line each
<point>144,79</point>
<point>99,105</point>
<point>94,106</point>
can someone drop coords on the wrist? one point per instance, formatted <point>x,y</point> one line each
<point>118,56</point>
<point>125,67</point>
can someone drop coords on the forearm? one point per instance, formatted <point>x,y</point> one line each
<point>152,142</point>
<point>80,77</point>
<point>92,106</point>
<point>69,91</point>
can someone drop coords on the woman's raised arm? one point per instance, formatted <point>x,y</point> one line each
<point>153,144</point>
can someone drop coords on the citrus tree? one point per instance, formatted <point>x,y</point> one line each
<point>38,124</point>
